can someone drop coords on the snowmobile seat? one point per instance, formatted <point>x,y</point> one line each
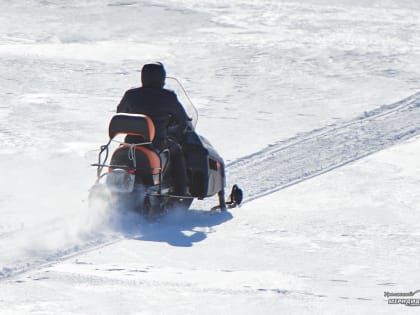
<point>137,125</point>
<point>148,163</point>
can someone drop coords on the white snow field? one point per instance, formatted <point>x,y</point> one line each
<point>315,107</point>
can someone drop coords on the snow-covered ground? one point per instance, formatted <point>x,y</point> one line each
<point>332,244</point>
<point>263,75</point>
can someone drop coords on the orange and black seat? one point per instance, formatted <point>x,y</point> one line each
<point>148,164</point>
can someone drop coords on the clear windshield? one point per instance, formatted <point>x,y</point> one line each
<point>176,86</point>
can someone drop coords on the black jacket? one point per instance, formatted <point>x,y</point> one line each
<point>161,105</point>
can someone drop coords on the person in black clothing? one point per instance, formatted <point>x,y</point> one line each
<point>163,107</point>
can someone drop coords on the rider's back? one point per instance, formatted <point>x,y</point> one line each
<point>160,104</point>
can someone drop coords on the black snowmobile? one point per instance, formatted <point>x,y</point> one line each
<point>139,176</point>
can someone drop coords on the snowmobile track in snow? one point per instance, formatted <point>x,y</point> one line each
<point>56,257</point>
<point>317,152</point>
<point>290,162</point>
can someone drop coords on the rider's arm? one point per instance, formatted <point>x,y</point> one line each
<point>181,116</point>
<point>179,120</point>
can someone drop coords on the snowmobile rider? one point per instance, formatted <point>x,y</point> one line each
<point>163,107</point>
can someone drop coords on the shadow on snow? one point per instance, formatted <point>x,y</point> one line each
<point>177,228</point>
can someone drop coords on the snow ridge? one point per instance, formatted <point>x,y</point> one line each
<point>319,151</point>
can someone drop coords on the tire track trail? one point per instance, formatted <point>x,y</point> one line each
<point>320,151</point>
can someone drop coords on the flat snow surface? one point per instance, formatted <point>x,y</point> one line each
<point>315,107</point>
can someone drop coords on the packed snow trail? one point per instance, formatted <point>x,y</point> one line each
<point>282,165</point>
<point>320,151</point>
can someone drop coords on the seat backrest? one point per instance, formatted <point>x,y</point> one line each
<point>133,125</point>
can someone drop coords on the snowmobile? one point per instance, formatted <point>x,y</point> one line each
<point>139,176</point>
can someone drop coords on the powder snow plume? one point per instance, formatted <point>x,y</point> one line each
<point>45,211</point>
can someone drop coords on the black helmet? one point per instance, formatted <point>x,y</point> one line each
<point>153,75</point>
